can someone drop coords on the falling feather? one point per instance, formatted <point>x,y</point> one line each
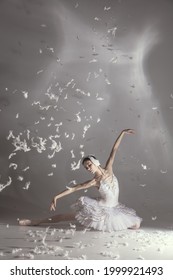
<point>55,148</point>
<point>72,225</point>
<point>75,165</point>
<point>20,178</point>
<point>58,126</point>
<point>10,135</point>
<point>72,154</point>
<point>40,71</point>
<point>142,185</point>
<point>82,154</point>
<point>113,60</point>
<point>11,155</point>
<point>88,77</point>
<point>112,30</point>
<point>86,127</point>
<point>144,166</point>
<point>107,81</point>
<point>50,49</point>
<point>107,8</point>
<point>78,117</point>
<point>66,135</point>
<point>69,83</point>
<point>3,186</point>
<point>25,169</point>
<point>141,257</point>
<point>14,165</point>
<point>27,185</point>
<point>163,171</point>
<point>73,136</point>
<point>25,93</point>
<point>93,60</point>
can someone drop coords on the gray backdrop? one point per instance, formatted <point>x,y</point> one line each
<point>73,74</point>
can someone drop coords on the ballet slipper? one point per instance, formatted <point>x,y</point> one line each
<point>24,222</point>
<point>137,226</point>
<point>28,223</point>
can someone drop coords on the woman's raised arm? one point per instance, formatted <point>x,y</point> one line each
<point>111,158</point>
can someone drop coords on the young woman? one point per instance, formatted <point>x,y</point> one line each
<point>104,213</point>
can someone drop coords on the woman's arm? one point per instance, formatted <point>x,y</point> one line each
<point>75,188</point>
<point>111,158</point>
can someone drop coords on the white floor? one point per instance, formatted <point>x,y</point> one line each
<point>68,241</point>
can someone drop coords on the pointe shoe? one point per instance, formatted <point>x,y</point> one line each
<point>137,226</point>
<point>25,222</point>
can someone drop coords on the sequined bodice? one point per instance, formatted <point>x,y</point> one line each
<point>109,192</point>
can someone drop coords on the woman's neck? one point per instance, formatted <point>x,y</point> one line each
<point>99,172</point>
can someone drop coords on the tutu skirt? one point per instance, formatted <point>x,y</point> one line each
<point>91,214</point>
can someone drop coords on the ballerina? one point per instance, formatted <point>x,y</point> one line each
<point>104,213</point>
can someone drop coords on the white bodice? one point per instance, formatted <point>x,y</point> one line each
<point>109,192</point>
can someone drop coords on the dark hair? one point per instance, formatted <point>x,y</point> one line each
<point>87,158</point>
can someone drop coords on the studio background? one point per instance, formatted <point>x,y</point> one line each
<point>73,74</point>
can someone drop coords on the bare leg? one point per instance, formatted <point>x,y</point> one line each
<point>53,219</point>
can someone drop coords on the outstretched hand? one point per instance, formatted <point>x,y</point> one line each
<point>53,204</point>
<point>129,131</point>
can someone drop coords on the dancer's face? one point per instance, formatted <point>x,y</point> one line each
<point>91,167</point>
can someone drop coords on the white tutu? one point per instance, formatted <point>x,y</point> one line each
<point>105,213</point>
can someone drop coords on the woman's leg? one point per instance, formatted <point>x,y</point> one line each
<point>53,219</point>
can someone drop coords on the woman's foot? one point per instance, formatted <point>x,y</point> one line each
<point>137,226</point>
<point>28,223</point>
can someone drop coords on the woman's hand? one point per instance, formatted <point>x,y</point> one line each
<point>53,204</point>
<point>129,131</point>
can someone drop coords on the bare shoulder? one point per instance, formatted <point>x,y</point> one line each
<point>86,185</point>
<point>91,183</point>
<point>107,174</point>
<point>108,171</point>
